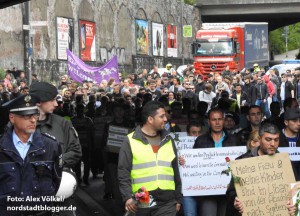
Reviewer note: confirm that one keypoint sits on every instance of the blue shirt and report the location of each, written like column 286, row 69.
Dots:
column 20, row 146
column 219, row 143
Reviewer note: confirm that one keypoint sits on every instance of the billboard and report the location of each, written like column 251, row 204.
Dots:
column 158, row 39
column 87, row 46
column 64, row 36
column 172, row 40
column 141, row 32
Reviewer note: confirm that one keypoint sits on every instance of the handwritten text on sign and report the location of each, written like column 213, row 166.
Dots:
column 201, row 174
column 264, row 184
column 184, row 142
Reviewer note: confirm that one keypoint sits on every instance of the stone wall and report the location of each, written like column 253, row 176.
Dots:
column 115, row 33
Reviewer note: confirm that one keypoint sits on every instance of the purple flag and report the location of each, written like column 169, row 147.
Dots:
column 80, row 71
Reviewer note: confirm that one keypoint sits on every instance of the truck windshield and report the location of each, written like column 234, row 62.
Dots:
column 208, row 48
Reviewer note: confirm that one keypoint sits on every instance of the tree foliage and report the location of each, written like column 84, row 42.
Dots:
column 2, row 73
column 278, row 40
column 190, row 2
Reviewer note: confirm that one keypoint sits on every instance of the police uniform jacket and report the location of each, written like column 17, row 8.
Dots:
column 39, row 174
column 66, row 135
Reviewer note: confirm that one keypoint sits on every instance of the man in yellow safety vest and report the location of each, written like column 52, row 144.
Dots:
column 148, row 159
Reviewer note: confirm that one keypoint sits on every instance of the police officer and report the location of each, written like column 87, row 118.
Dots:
column 30, row 161
column 57, row 126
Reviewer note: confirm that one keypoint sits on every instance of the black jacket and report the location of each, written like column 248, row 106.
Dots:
column 206, row 141
column 243, row 136
column 244, row 97
column 66, row 135
column 250, row 90
column 283, row 142
column 261, row 91
column 125, row 165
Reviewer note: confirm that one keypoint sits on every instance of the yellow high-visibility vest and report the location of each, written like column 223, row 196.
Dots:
column 149, row 169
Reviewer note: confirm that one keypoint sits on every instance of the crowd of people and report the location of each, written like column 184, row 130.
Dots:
column 227, row 109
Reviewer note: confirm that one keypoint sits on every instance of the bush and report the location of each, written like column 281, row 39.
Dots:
column 2, row 73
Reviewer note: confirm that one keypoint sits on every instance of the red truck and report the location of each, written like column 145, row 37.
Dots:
column 238, row 45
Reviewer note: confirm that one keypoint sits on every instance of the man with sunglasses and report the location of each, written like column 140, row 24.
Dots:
column 30, row 161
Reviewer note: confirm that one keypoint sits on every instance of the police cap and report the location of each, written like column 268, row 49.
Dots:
column 44, row 90
column 23, row 105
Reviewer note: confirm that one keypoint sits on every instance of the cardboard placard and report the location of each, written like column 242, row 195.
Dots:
column 201, row 174
column 116, row 136
column 264, row 183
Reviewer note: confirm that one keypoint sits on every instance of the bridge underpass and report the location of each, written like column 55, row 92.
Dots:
column 275, row 12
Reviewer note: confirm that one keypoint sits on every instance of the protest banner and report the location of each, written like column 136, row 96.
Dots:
column 116, row 136
column 264, row 183
column 201, row 174
column 79, row 71
column 294, row 152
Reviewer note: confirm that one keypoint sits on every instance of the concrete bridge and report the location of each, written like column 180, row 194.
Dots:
column 277, row 13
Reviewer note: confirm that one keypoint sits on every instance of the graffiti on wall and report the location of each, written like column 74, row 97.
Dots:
column 48, row 70
column 106, row 54
column 159, row 62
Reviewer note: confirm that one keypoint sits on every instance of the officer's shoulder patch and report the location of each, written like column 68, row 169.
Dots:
column 49, row 136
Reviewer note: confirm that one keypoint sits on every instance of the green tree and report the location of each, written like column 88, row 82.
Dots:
column 2, row 73
column 190, row 2
column 277, row 39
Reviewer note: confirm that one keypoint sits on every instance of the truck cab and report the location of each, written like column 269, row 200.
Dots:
column 213, row 50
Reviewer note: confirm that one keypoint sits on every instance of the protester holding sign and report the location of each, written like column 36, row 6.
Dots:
column 269, row 142
column 112, row 157
column 216, row 137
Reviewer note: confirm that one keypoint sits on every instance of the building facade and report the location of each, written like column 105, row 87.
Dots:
column 142, row 33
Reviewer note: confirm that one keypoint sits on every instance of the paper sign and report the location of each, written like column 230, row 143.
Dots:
column 201, row 174
column 294, row 152
column 264, row 183
column 184, row 142
column 178, row 134
column 116, row 136
column 187, row 31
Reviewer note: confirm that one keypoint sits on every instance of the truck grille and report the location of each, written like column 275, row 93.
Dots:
column 206, row 68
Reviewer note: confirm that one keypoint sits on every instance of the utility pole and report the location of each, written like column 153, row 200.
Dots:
column 27, row 40
column 286, row 33
column 182, row 38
